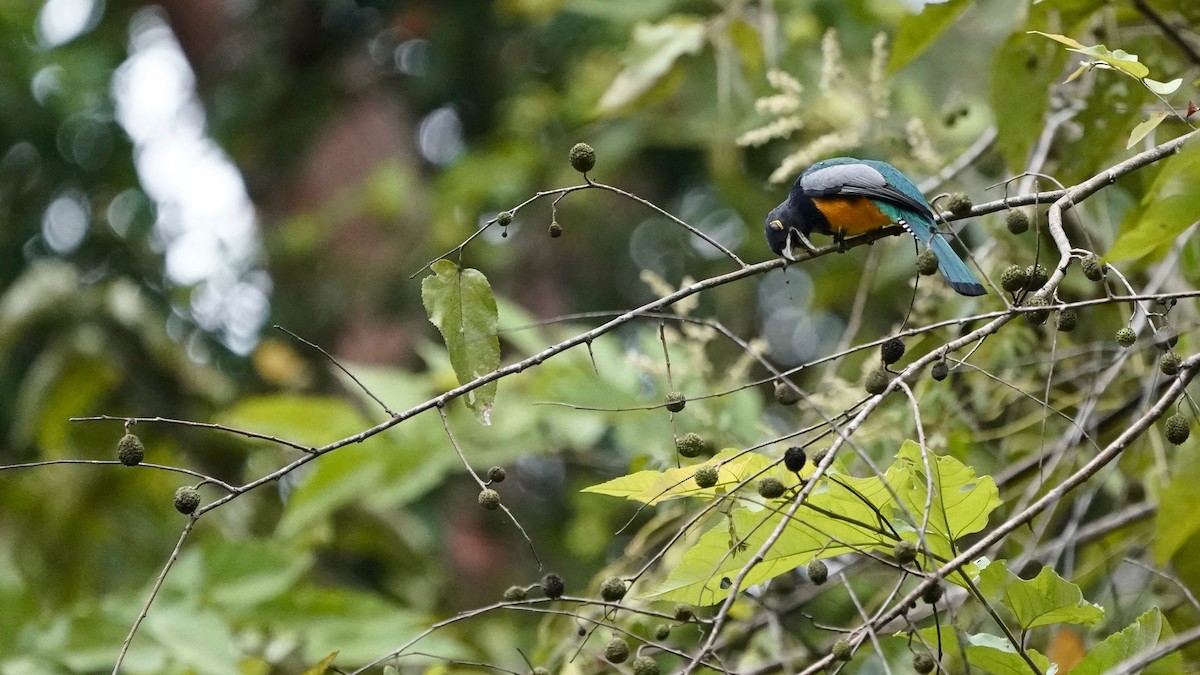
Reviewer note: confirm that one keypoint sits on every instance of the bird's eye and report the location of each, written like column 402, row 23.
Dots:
column 776, row 224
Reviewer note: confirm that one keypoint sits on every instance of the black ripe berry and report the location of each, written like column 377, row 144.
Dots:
column 1037, row 277
column 939, row 371
column 927, row 262
column 932, row 594
column 794, row 459
column 684, row 613
column 1037, row 317
column 891, row 350
column 497, row 474
column 924, row 663
column 515, row 593
column 771, row 488
column 504, row 218
column 130, row 450
column 818, row 572
column 675, row 401
column 905, row 552
column 612, row 590
column 553, row 585
column 876, row 382
column 1068, row 319
column 186, row 500
column 582, row 157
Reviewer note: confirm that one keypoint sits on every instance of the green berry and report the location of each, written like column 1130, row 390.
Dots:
column 842, row 651
column 1093, row 269
column 130, row 450
column 771, row 488
column 932, row 594
column 1038, row 317
column 891, row 350
column 186, row 500
column 1178, row 429
column 489, row 499
column 927, row 262
column 939, row 371
column 794, row 459
column 644, row 665
column 1037, row 277
column 876, row 382
column 582, row 157
column 959, row 204
column 1014, row 278
column 1016, row 221
column 1126, row 337
column 553, row 586
column 515, row 593
column 1168, row 363
column 661, row 632
column 818, row 572
column 504, row 218
column 905, row 552
column 1068, row 319
column 497, row 474
column 684, row 613
column 675, row 401
column 555, row 229
column 689, row 445
column 819, row 456
column 617, row 650
column 706, row 476
column 785, row 394
column 612, row 590
column 924, row 663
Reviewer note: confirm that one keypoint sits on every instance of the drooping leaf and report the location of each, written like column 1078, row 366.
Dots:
column 1142, row 130
column 1162, row 88
column 1143, row 634
column 1045, row 600
column 652, row 53
column 919, row 31
column 460, row 303
column 1119, row 59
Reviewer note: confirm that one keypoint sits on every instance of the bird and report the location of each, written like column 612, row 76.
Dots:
column 845, row 196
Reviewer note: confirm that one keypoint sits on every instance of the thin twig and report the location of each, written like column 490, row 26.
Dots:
column 191, row 522
column 340, row 367
column 200, row 425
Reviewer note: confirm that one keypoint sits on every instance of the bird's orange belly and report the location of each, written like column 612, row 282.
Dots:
column 851, row 216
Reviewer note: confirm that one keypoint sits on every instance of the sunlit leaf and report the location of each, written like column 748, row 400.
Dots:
column 322, row 666
column 917, row 32
column 961, row 501
column 1118, row 59
column 987, row 653
column 1143, row 634
column 1045, row 600
column 651, row 55
column 1162, row 88
column 460, row 303
column 654, row 487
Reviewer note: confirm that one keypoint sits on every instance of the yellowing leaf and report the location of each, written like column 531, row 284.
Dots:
column 460, row 303
column 1142, row 130
column 652, row 54
column 654, row 487
column 961, row 501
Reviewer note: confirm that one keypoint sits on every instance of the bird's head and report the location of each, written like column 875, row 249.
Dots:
column 781, row 233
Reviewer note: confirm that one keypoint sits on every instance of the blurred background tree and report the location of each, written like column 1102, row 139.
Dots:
column 176, row 177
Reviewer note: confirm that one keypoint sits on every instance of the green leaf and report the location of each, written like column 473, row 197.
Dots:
column 1023, row 71
column 961, row 501
column 1162, row 88
column 1142, row 130
column 1177, row 518
column 987, row 653
column 653, row 52
column 1162, row 217
column 322, row 666
column 460, row 303
column 1141, row 635
column 195, row 637
column 1120, row 59
column 1045, row 600
column 308, row 420
column 654, row 487
column 247, row 572
column 918, row 31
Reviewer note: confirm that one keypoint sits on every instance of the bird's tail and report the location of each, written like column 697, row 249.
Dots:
column 956, row 272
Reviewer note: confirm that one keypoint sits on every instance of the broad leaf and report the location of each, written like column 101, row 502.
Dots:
column 1170, row 206
column 1023, row 70
column 1119, row 59
column 652, row 54
column 654, row 487
column 961, row 501
column 919, row 31
column 1044, row 600
column 1177, row 519
column 1162, row 88
column 460, row 303
column 986, row 653
column 1143, row 634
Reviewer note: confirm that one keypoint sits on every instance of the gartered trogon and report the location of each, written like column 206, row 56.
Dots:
column 844, row 197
